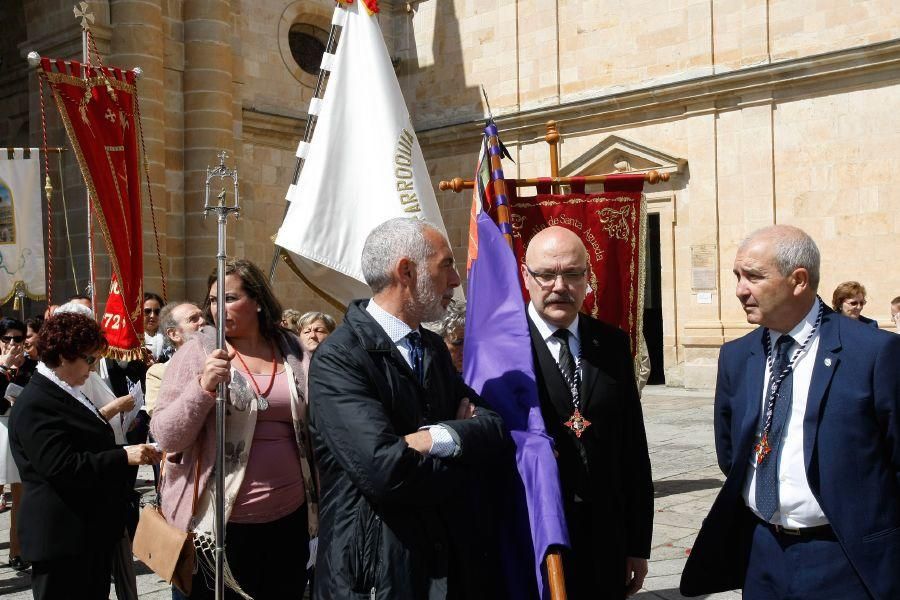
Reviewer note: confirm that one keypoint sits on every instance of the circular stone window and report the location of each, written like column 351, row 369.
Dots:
column 302, row 36
column 307, row 43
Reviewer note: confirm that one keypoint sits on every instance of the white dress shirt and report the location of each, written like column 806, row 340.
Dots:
column 798, row 506
column 442, row 443
column 553, row 343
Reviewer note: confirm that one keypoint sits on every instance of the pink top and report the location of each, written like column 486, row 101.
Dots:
column 273, row 480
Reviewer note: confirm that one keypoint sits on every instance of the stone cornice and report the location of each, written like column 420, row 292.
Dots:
column 66, row 43
column 802, row 77
column 268, row 128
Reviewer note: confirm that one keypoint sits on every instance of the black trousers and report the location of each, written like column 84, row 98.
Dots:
column 83, row 577
column 595, row 567
column 267, row 559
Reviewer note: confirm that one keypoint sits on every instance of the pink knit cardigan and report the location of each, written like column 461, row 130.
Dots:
column 184, row 424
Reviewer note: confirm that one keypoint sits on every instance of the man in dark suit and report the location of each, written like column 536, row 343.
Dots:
column 590, row 405
column 807, row 429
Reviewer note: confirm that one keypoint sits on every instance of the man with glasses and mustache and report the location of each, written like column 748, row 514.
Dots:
column 400, row 441
column 590, row 405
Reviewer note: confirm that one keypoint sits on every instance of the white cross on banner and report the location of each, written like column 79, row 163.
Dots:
column 364, row 165
column 21, row 230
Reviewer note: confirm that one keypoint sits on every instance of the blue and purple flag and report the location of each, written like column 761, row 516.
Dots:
column 498, row 365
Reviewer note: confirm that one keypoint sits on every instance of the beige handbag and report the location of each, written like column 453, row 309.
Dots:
column 167, row 550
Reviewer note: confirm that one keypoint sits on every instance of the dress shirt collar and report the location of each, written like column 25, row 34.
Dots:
column 394, row 327
column 801, row 330
column 546, row 329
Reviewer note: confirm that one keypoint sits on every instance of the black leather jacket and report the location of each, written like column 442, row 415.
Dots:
column 394, row 523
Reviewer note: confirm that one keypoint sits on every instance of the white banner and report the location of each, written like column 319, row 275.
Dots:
column 364, row 165
column 21, row 229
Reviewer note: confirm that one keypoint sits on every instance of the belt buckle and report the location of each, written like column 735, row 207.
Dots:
column 787, row 530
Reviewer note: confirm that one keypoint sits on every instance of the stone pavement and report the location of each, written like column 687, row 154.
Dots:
column 679, row 431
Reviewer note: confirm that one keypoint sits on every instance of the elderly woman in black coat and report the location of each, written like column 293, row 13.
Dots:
column 76, row 480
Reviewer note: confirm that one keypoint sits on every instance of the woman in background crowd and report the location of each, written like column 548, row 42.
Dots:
column 314, row 327
column 290, row 319
column 154, row 339
column 16, row 367
column 270, row 497
column 849, row 298
column 452, row 329
column 76, row 480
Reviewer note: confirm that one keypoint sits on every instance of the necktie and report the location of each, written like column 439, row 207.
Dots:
column 767, row 472
column 566, row 361
column 417, row 355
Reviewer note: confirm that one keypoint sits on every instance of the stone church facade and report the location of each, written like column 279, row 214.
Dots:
column 761, row 111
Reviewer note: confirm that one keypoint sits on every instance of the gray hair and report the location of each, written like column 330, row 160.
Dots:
column 308, row 318
column 454, row 320
column 167, row 320
column 403, row 237
column 794, row 249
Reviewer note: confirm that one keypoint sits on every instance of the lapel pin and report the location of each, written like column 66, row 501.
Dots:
column 827, row 362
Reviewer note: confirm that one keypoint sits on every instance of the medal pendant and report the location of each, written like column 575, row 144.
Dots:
column 762, row 449
column 577, row 423
column 261, row 403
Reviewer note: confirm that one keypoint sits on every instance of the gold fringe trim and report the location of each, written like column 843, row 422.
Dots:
column 124, row 354
column 16, row 286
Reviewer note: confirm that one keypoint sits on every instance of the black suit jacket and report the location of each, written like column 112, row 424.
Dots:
column 609, row 466
column 75, row 479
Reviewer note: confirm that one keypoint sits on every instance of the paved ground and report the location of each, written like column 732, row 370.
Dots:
column 679, row 428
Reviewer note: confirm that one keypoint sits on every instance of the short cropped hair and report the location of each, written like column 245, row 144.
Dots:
column 794, row 249
column 68, row 335
column 896, row 300
column 402, row 237
column 844, row 291
column 312, row 316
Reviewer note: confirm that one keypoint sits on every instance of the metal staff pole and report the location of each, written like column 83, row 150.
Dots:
column 222, row 210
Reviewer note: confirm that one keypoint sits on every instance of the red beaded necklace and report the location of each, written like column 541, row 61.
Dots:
column 253, row 379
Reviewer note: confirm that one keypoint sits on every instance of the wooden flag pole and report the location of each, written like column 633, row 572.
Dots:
column 458, row 184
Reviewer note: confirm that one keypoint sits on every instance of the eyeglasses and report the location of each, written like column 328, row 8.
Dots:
column 548, row 278
column 90, row 359
column 13, row 338
column 855, row 302
column 151, row 311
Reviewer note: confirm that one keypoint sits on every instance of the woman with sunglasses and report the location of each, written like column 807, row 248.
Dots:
column 270, row 498
column 16, row 369
column 76, row 480
column 154, row 339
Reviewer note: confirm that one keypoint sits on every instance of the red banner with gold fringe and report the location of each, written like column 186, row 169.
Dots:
column 612, row 226
column 97, row 106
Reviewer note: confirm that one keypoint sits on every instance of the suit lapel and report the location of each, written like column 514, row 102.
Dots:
column 824, row 368
column 590, row 348
column 755, row 378
column 556, row 387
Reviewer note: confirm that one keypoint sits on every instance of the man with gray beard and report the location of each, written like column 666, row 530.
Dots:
column 399, row 439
